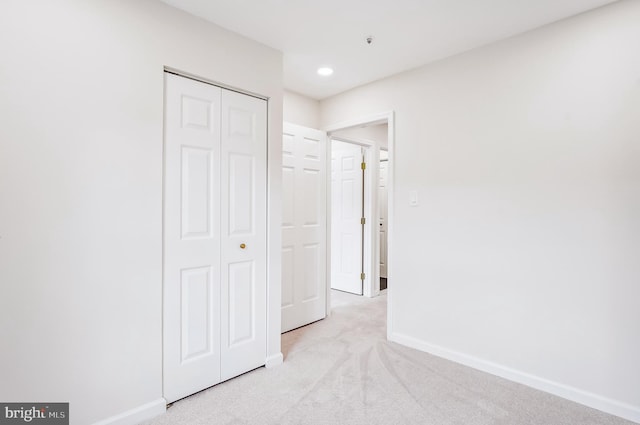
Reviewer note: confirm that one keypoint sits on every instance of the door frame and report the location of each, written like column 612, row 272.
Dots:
column 387, row 190
column 372, row 244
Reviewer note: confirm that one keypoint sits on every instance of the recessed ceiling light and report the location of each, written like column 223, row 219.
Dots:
column 325, row 72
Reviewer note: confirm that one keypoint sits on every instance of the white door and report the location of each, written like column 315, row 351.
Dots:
column 244, row 235
column 214, row 301
column 191, row 237
column 304, row 226
column 346, row 213
column 383, row 204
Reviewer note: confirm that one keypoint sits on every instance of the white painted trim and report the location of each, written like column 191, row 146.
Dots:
column 391, row 143
column 136, row 415
column 577, row 395
column 191, row 76
column 371, row 284
column 328, row 218
column 373, row 119
column 274, row 360
column 274, row 238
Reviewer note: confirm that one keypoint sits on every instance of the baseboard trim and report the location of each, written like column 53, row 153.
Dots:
column 138, row 414
column 274, row 360
column 607, row 405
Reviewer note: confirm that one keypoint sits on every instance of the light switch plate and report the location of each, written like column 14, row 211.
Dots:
column 413, row 198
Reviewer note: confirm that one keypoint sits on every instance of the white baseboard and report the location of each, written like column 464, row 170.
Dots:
column 586, row 398
column 274, row 360
column 137, row 414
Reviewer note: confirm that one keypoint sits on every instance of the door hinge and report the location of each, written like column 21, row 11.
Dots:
column 363, row 220
column 361, row 276
column 363, row 165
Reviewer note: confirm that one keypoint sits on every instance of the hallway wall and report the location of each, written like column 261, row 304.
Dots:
column 301, row 110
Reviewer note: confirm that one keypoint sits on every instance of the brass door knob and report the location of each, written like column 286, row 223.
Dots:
column 242, row 246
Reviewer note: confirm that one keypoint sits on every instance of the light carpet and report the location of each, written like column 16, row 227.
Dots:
column 342, row 370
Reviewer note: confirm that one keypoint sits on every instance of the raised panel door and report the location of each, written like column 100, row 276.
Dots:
column 191, row 283
column 243, row 238
column 304, row 226
column 346, row 213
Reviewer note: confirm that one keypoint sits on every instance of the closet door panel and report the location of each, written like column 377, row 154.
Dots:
column 244, row 237
column 191, row 273
column 241, row 195
column 241, row 302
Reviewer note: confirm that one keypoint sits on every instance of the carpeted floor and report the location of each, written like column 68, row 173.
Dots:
column 342, row 370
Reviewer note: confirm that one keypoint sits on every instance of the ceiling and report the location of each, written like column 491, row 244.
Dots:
column 406, row 33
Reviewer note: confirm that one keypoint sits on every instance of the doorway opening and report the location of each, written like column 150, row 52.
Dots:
column 374, row 135
column 308, row 197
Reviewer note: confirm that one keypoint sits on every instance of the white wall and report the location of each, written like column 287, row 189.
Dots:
column 526, row 158
column 301, row 110
column 81, row 101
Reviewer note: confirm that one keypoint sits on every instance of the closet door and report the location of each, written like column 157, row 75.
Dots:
column 215, row 241
column 244, row 236
column 191, row 275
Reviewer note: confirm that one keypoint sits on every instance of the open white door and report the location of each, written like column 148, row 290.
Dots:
column 304, row 226
column 346, row 214
column 383, row 206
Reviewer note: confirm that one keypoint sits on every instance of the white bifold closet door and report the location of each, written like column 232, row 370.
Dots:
column 214, row 278
column 304, row 226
